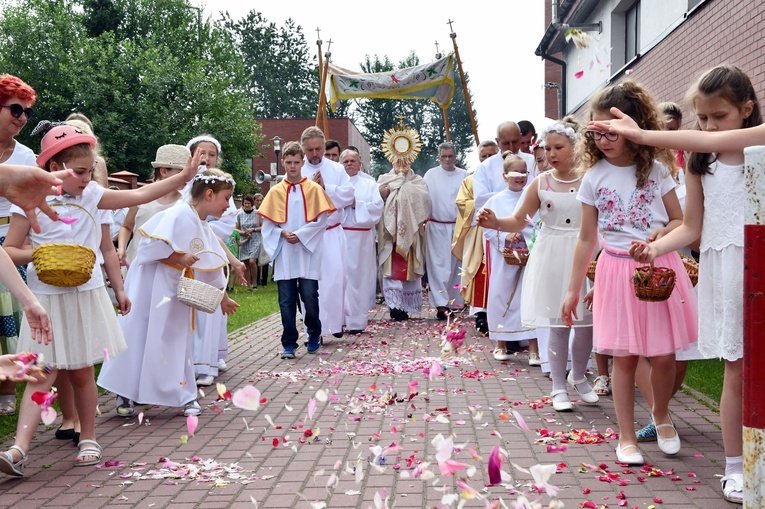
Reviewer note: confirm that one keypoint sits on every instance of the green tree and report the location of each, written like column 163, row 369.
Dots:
column 375, row 116
column 156, row 76
column 282, row 73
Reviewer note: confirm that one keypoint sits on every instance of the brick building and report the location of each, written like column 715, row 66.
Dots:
column 290, row 129
column 663, row 44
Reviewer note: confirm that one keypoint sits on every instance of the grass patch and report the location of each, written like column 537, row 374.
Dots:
column 253, row 305
column 706, row 377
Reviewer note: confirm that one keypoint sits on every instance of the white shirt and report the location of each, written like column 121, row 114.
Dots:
column 443, row 187
column 369, row 203
column 24, row 156
column 488, row 178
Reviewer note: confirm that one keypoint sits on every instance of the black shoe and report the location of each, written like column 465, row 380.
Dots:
column 355, row 332
column 65, row 434
column 441, row 313
column 398, row 314
column 481, row 324
column 337, row 334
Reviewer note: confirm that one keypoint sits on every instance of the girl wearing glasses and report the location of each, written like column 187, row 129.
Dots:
column 16, row 100
column 628, row 194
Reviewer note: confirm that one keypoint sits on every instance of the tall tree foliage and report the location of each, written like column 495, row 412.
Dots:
column 375, row 116
column 146, row 72
column 282, row 72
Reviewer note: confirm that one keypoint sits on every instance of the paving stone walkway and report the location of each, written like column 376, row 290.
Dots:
column 357, row 394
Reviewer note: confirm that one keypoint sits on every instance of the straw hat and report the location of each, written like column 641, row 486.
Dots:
column 171, row 156
column 60, row 138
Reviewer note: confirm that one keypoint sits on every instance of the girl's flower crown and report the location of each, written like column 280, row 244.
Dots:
column 210, row 179
column 559, row 128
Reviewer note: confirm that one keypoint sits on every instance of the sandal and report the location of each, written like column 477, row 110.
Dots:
column 7, row 465
column 602, row 386
column 733, row 483
column 7, row 404
column 91, row 449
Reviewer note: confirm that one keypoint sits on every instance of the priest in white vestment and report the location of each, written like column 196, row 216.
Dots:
column 359, row 224
column 442, row 266
column 332, row 177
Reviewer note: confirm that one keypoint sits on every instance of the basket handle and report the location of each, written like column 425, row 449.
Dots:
column 65, row 204
column 225, row 261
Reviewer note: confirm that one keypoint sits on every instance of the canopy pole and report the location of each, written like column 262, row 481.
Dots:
column 464, row 85
column 446, row 124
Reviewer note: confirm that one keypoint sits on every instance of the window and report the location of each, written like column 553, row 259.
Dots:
column 632, row 32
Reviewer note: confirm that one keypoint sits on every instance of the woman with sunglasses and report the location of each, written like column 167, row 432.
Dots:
column 16, row 100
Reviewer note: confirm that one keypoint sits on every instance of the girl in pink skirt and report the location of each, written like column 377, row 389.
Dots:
column 626, row 195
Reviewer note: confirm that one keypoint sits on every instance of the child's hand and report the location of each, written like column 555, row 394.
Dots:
column 623, row 125
column 642, row 252
column 569, row 308
column 487, row 219
column 238, row 269
column 588, row 299
column 192, row 165
column 123, row 302
column 228, row 305
column 121, row 256
column 13, row 368
column 39, row 322
column 185, row 260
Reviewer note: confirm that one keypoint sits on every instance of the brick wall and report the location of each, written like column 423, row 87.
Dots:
column 553, row 74
column 720, row 31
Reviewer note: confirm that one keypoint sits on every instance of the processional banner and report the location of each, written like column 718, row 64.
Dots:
column 434, row 81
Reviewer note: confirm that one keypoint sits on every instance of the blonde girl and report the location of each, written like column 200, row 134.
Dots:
column 553, row 195
column 84, row 323
column 628, row 195
column 729, row 119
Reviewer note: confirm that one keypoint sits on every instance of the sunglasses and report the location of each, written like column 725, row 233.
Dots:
column 597, row 135
column 17, row 110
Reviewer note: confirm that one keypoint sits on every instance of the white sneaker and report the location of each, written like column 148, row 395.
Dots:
column 222, row 366
column 205, row 380
column 192, row 408
column 501, row 354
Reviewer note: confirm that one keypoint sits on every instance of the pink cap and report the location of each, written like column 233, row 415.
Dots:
column 60, row 138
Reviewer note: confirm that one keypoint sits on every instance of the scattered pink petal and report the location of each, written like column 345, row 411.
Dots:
column 191, row 424
column 69, row 220
column 247, row 398
column 48, row 416
column 578, row 75
column 435, row 370
column 628, row 72
column 520, row 420
column 495, row 466
column 311, row 408
column 140, row 418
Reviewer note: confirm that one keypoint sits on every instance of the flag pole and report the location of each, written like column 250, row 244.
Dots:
column 444, row 111
column 321, row 108
column 464, row 84
column 324, row 114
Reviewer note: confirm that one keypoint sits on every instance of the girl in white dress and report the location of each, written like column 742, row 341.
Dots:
column 85, row 326
column 158, row 367
column 505, row 280
column 724, row 101
column 553, row 195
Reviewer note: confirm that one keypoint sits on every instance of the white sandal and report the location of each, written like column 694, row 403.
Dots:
column 733, row 483
column 91, row 449
column 8, row 466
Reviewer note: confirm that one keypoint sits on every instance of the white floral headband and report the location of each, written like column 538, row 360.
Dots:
column 199, row 139
column 558, row 128
column 211, row 179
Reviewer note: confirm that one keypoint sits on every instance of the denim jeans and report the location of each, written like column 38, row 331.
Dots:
column 308, row 291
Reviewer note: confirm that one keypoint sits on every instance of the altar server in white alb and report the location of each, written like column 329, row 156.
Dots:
column 442, row 266
column 361, row 260
column 332, row 177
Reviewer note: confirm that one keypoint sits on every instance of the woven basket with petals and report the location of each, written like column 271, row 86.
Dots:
column 653, row 284
column 197, row 294
column 691, row 267
column 64, row 265
column 517, row 256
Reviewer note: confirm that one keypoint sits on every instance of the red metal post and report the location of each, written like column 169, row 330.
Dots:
column 754, row 329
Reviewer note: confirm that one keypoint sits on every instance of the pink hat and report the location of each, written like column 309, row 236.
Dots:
column 60, row 138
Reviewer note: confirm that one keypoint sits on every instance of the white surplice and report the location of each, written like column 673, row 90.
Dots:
column 441, row 265
column 503, row 310
column 158, row 366
column 361, row 259
column 338, row 186
column 488, row 178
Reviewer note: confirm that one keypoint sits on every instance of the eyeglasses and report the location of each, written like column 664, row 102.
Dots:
column 597, row 135
column 17, row 110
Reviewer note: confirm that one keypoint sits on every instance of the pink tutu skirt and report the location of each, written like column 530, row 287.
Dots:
column 624, row 325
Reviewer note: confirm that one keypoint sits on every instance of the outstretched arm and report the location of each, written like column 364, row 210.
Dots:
column 694, row 141
column 517, row 222
column 27, row 187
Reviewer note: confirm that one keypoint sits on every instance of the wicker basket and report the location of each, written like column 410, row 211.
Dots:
column 691, row 267
column 515, row 256
column 199, row 295
column 64, row 265
column 653, row 284
column 591, row 270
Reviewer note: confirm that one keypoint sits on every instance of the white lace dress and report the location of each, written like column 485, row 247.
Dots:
column 721, row 265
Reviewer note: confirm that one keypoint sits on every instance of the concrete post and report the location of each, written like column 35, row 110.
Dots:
column 754, row 329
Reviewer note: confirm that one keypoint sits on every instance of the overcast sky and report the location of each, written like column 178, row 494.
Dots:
column 496, row 43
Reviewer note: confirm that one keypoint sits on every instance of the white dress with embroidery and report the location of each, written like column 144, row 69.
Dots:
column 721, row 265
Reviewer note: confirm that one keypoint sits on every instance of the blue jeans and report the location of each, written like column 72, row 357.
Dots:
column 308, row 291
